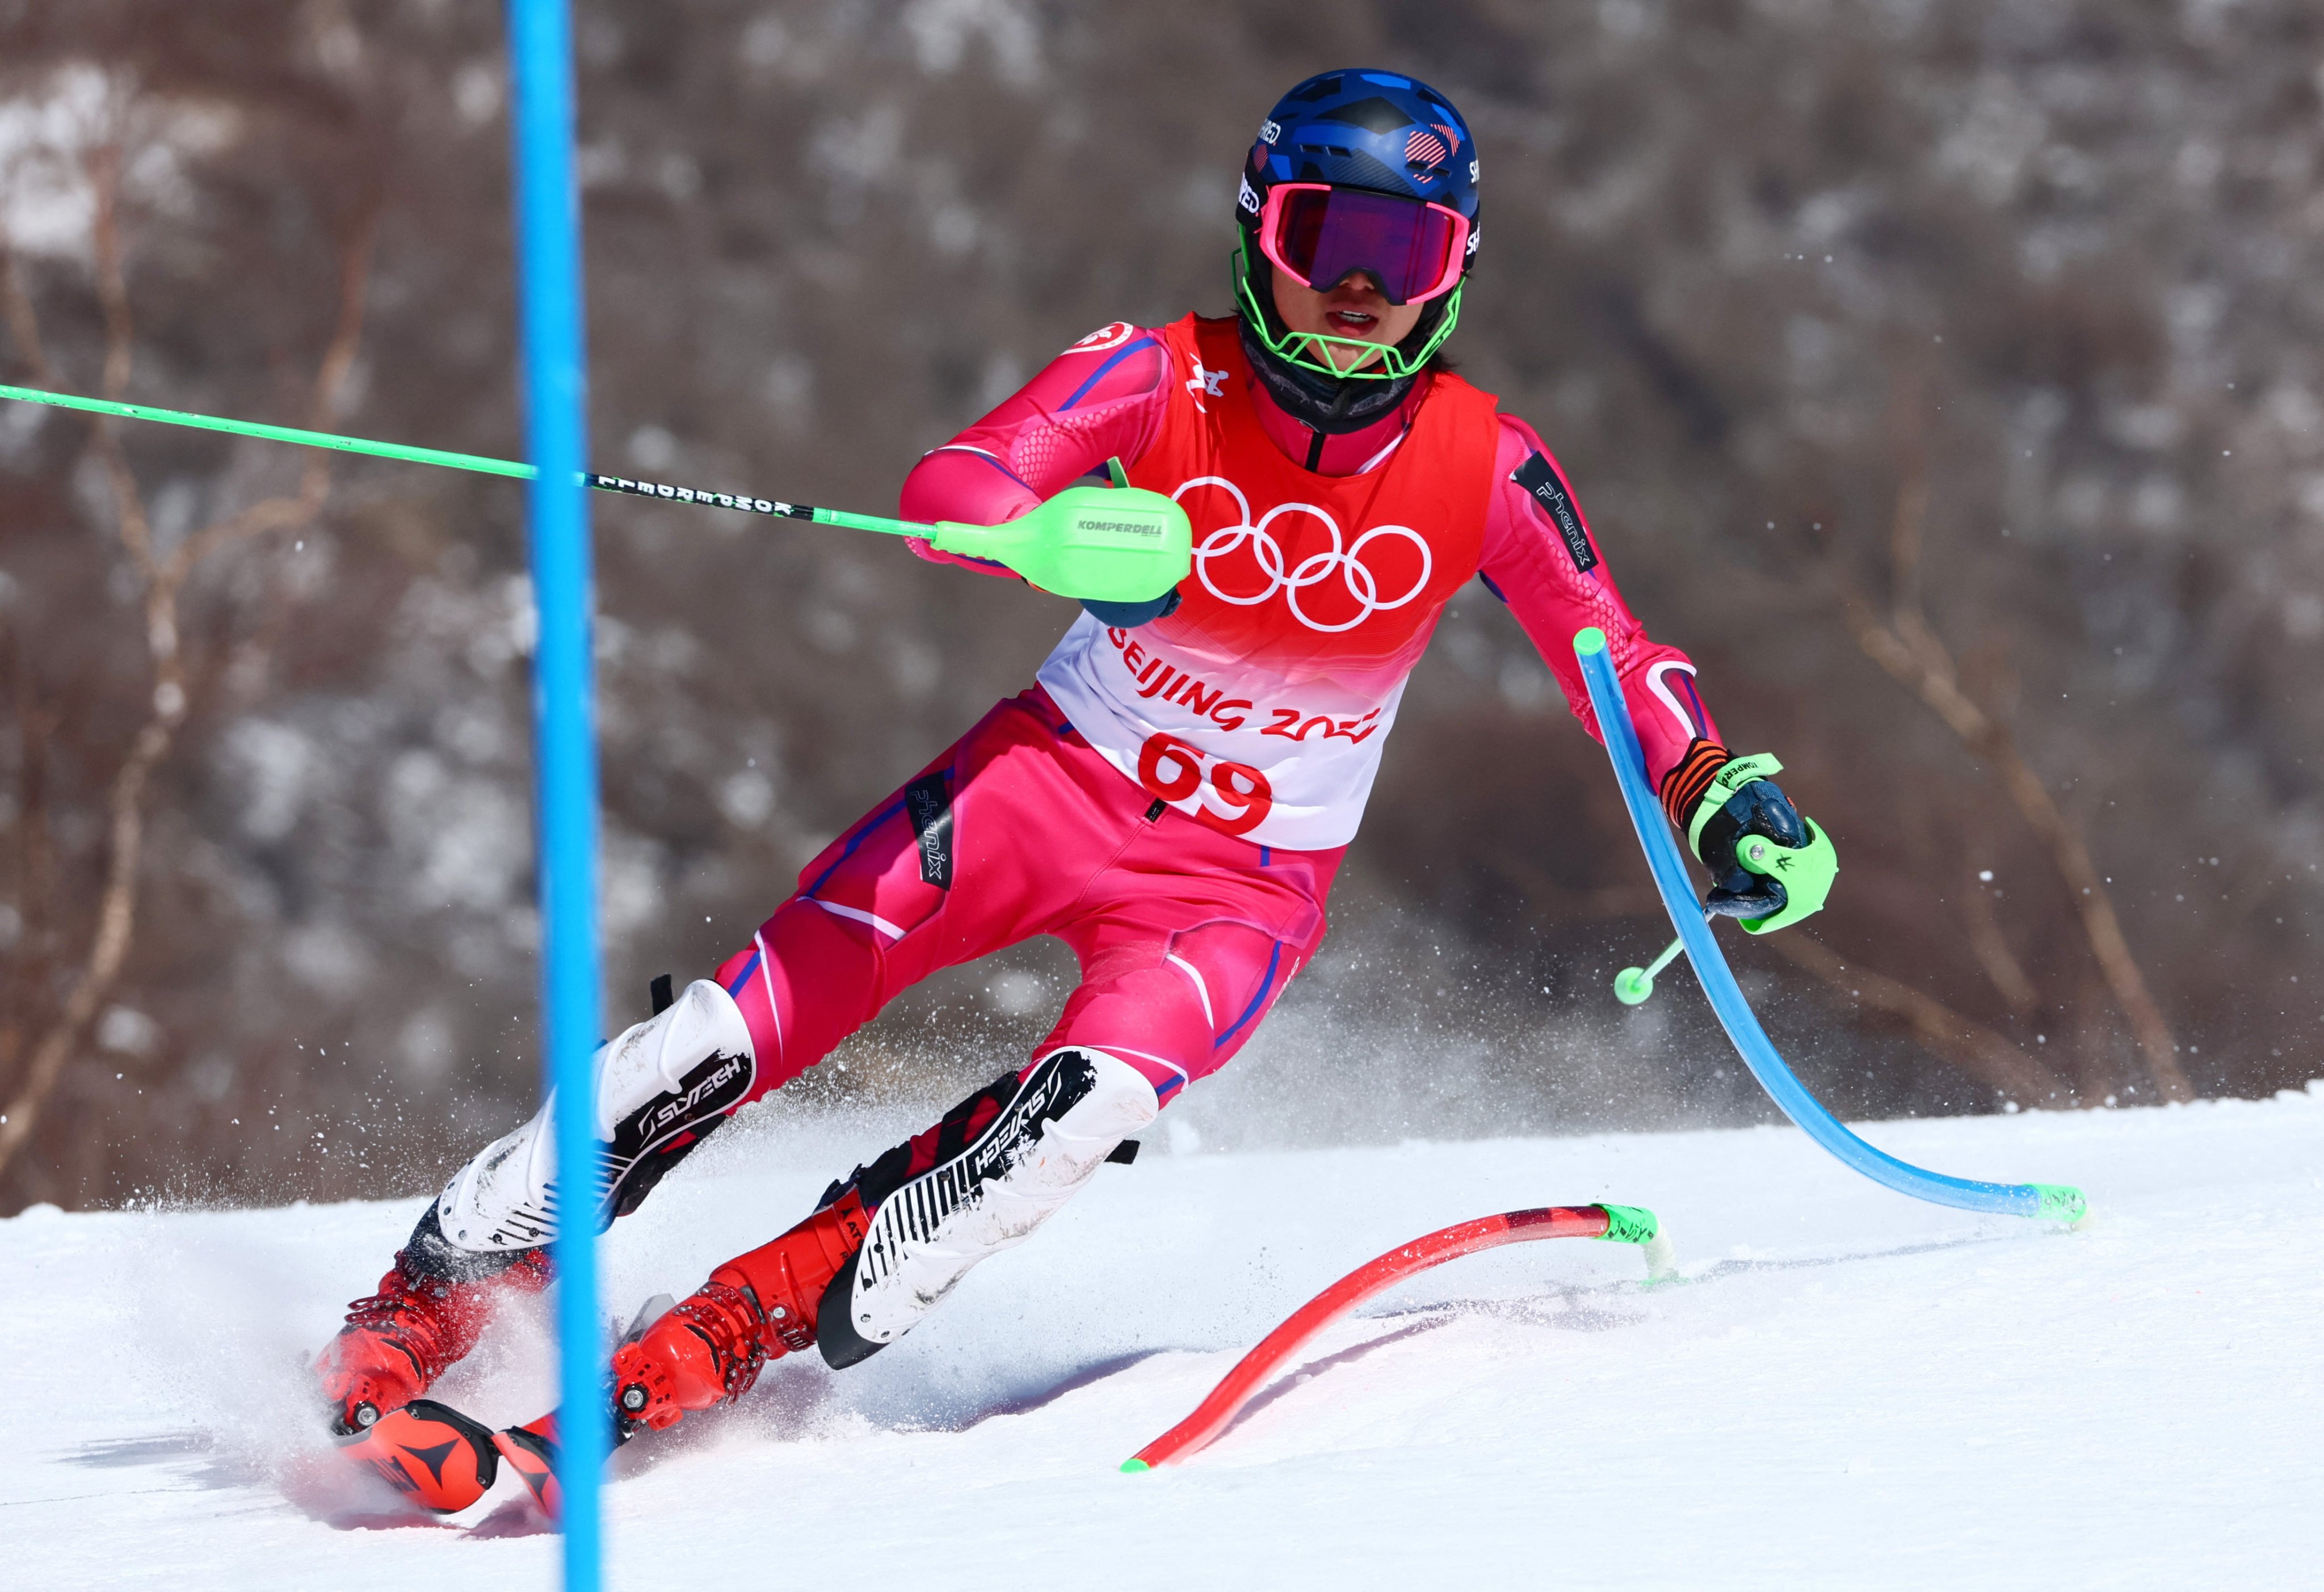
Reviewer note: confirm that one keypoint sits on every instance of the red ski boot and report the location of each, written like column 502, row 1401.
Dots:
column 400, row 1340
column 755, row 1308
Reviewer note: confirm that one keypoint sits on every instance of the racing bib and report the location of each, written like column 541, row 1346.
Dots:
column 1260, row 706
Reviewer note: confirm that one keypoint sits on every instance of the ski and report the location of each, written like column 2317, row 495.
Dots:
column 429, row 1453
column 444, row 1461
column 531, row 1451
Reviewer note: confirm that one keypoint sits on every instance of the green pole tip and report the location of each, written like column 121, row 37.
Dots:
column 1628, row 1224
column 1632, row 985
column 1589, row 640
column 1133, row 1466
column 2060, row 1202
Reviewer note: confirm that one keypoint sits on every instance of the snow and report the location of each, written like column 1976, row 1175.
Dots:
column 1848, row 1389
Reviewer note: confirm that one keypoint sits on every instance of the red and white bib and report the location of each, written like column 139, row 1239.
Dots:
column 1260, row 705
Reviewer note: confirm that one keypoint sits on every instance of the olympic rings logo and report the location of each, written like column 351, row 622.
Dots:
column 1347, row 562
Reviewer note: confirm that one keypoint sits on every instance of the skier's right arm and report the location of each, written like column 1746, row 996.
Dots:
column 1103, row 398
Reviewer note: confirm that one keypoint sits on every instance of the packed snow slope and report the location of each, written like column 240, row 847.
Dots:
column 1847, row 1388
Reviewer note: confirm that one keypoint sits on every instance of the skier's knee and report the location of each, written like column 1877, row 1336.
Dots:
column 807, row 980
column 1179, row 1010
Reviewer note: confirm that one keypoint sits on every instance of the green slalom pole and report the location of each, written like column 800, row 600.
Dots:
column 1109, row 544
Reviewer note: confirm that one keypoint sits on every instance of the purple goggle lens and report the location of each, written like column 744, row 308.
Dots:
column 1319, row 234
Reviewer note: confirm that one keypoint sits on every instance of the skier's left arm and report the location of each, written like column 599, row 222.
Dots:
column 1541, row 558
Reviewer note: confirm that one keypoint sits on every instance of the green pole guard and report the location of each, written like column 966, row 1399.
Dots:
column 1806, row 872
column 1113, row 544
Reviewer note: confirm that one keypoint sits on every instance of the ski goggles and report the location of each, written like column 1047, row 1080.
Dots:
column 1317, row 234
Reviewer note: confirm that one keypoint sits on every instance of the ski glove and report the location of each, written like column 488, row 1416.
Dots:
column 1126, row 616
column 1723, row 800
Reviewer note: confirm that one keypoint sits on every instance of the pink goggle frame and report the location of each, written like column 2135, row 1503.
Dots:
column 1316, row 233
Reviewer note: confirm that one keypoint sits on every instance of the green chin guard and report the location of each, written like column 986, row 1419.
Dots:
column 1306, row 349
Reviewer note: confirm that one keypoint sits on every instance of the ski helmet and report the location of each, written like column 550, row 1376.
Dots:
column 1357, row 170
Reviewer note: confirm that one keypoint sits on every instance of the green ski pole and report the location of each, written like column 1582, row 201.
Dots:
column 1118, row 543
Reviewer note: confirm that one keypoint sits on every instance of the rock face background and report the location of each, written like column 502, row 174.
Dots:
column 1944, row 375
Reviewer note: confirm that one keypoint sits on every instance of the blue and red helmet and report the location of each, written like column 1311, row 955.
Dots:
column 1359, row 170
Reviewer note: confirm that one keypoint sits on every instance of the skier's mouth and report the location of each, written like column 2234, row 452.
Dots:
column 1354, row 322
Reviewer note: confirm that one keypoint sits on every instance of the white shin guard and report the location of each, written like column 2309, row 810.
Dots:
column 1065, row 1119
column 661, row 1086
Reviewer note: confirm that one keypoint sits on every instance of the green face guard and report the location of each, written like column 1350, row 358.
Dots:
column 1305, row 349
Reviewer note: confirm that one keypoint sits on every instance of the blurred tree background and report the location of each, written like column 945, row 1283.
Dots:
column 1945, row 375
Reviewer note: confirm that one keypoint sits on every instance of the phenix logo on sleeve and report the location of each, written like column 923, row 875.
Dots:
column 1258, row 707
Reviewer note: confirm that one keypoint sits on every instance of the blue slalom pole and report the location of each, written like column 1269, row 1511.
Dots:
column 2052, row 1200
column 556, row 383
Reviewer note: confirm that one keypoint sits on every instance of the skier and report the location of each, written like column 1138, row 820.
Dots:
column 1172, row 798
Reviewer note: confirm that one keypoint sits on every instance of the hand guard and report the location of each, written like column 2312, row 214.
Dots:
column 1768, row 886
column 1128, row 616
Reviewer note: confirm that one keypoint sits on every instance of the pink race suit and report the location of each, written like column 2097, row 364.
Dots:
column 1173, row 801
column 1184, row 936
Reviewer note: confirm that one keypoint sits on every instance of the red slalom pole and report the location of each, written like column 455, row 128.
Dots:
column 1621, row 1224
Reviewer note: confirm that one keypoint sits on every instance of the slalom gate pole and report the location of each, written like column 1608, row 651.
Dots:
column 2053, row 1202
column 1619, row 1224
column 565, row 757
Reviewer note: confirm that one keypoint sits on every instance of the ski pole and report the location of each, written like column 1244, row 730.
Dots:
column 1114, row 545
column 1633, row 985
